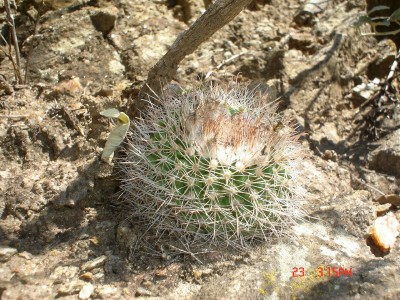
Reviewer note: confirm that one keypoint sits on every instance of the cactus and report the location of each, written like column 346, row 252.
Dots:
column 215, row 164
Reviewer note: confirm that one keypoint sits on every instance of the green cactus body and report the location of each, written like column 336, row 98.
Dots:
column 213, row 165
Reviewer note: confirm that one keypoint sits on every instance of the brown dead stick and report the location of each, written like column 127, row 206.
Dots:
column 11, row 24
column 217, row 15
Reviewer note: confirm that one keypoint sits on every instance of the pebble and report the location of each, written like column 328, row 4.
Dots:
column 389, row 199
column 104, row 20
column 306, row 15
column 86, row 291
column 99, row 276
column 126, row 235
column 142, row 292
column 161, row 272
column 97, row 262
column 147, row 283
column 25, row 255
column 70, row 288
column 382, row 209
column 71, row 87
column 386, row 157
column 197, row 274
column 106, row 291
column 87, row 276
column 364, row 91
column 62, row 273
column 330, row 155
column 6, row 253
column 94, row 240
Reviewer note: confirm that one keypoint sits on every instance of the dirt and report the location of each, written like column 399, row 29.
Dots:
column 63, row 233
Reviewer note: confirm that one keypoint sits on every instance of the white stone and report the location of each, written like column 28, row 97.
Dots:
column 86, row 291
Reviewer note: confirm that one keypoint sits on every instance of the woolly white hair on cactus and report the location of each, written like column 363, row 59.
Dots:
column 216, row 164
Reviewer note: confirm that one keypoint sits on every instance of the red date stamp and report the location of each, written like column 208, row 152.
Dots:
column 302, row 281
column 324, row 271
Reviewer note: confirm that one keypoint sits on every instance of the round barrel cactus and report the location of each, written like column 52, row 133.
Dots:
column 216, row 165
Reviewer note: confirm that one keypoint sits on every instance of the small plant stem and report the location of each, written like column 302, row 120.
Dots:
column 35, row 31
column 224, row 63
column 8, row 54
column 10, row 20
column 216, row 16
column 376, row 33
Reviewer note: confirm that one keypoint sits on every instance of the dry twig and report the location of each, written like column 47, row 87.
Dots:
column 11, row 24
column 226, row 61
column 216, row 16
column 382, row 104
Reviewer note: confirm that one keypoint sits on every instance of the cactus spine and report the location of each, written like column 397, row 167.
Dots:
column 214, row 164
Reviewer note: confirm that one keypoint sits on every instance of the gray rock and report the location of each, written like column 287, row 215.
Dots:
column 69, row 288
column 83, row 52
column 6, row 253
column 328, row 131
column 141, row 291
column 306, row 15
column 302, row 41
column 106, row 291
column 27, row 292
column 95, row 263
column 386, row 158
column 115, row 265
column 86, row 291
column 63, row 273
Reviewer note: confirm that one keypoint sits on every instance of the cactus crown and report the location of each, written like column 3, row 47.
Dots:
column 216, row 165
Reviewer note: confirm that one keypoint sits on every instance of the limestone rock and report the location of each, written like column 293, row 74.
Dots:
column 386, row 158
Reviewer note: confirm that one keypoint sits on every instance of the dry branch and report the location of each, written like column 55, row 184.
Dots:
column 10, row 21
column 216, row 16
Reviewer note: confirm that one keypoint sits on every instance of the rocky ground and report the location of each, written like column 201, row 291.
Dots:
column 62, row 232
